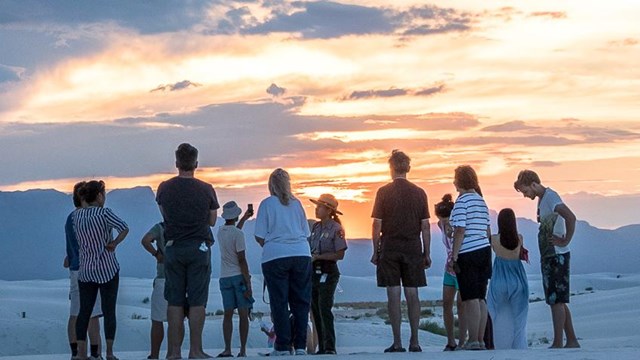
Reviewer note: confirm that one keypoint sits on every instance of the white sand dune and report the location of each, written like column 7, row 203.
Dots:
column 606, row 317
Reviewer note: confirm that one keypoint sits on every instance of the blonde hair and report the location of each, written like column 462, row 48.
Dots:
column 280, row 186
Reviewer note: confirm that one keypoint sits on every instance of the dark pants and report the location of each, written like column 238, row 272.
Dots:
column 322, row 296
column 289, row 284
column 108, row 295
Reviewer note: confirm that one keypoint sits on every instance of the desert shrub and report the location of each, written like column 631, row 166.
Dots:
column 432, row 327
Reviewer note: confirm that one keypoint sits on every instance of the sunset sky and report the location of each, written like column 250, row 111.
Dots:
column 326, row 89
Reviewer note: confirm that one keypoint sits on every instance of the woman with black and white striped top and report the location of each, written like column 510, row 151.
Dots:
column 99, row 267
column 471, row 254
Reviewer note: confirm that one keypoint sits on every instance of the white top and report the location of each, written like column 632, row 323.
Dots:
column 231, row 242
column 284, row 229
column 471, row 213
column 547, row 205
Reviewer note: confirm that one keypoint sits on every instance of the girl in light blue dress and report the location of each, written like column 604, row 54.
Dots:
column 508, row 297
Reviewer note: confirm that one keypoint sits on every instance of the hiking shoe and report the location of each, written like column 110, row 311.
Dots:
column 300, row 352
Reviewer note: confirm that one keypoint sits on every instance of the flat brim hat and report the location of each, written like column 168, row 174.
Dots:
column 327, row 200
column 231, row 211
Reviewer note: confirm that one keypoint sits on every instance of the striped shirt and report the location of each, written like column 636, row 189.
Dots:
column 93, row 226
column 471, row 213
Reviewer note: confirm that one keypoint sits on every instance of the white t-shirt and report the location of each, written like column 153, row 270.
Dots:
column 284, row 229
column 231, row 241
column 471, row 213
column 547, row 205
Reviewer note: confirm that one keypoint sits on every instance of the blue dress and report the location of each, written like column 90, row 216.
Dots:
column 508, row 303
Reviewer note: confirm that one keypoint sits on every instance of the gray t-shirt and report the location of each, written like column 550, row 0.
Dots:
column 157, row 232
column 231, row 242
column 547, row 205
column 186, row 203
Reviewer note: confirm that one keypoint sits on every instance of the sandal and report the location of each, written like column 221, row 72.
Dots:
column 415, row 348
column 392, row 348
column 450, row 348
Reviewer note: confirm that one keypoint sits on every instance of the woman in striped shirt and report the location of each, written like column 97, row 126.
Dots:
column 471, row 253
column 98, row 265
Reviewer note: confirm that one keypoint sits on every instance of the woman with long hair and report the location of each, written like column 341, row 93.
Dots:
column 449, row 282
column 471, row 254
column 327, row 247
column 99, row 268
column 508, row 298
column 282, row 231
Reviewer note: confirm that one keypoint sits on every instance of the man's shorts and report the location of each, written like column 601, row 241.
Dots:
column 158, row 303
column 450, row 280
column 555, row 278
column 187, row 270
column 397, row 268
column 74, row 297
column 232, row 289
column 474, row 275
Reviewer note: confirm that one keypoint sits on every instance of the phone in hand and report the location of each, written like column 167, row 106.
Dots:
column 250, row 207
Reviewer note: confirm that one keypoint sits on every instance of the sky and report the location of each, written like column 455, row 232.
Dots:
column 326, row 89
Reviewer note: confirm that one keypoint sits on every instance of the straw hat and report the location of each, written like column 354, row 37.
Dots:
column 231, row 210
column 329, row 201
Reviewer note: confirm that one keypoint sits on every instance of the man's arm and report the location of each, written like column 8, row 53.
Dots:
column 213, row 217
column 247, row 214
column 146, row 242
column 570, row 223
column 376, row 229
column 426, row 242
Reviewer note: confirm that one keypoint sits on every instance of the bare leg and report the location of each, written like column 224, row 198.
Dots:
column 175, row 331
column 227, row 330
column 82, row 349
column 157, row 335
column 196, row 325
column 472, row 316
column 572, row 339
column 483, row 320
column 395, row 315
column 94, row 333
column 448, row 294
column 109, row 347
column 244, row 330
column 559, row 317
column 462, row 323
column 413, row 307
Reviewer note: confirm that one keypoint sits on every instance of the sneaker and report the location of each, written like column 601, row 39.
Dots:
column 300, row 352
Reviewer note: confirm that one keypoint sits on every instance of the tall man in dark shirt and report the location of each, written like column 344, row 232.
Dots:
column 400, row 215
column 189, row 207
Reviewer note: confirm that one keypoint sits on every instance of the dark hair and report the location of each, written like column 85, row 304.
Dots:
column 526, row 178
column 77, row 199
column 399, row 162
column 466, row 178
column 186, row 157
column 90, row 191
column 508, row 229
column 444, row 207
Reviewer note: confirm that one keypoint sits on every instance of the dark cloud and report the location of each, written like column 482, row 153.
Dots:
column 430, row 91
column 180, row 85
column 393, row 92
column 328, row 19
column 550, row 14
column 356, row 95
column 511, row 126
column 275, row 90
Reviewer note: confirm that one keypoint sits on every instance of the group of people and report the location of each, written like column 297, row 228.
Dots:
column 299, row 262
column 494, row 310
